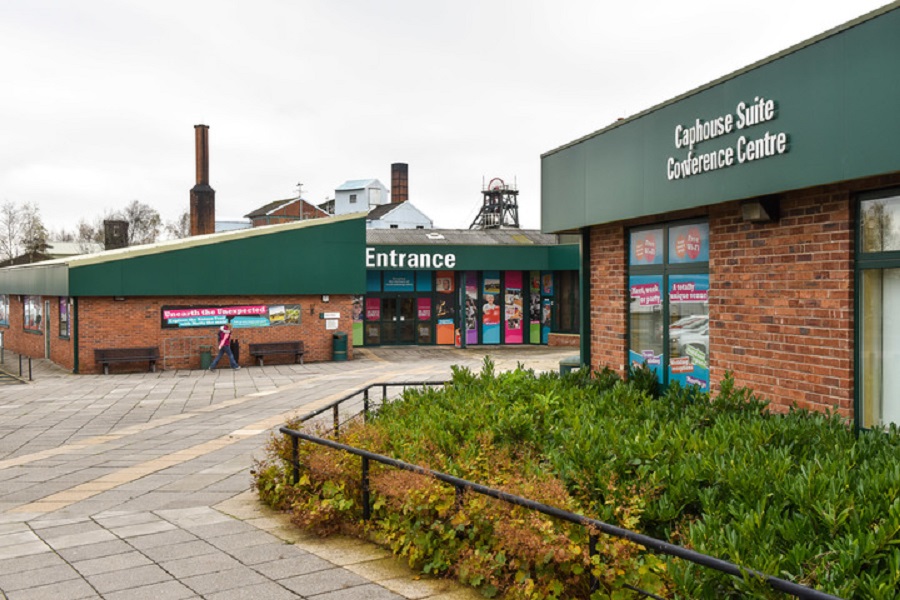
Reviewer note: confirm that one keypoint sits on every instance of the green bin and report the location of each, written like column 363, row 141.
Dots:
column 205, row 357
column 339, row 346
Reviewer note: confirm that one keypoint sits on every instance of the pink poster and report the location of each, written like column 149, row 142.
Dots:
column 514, row 314
column 373, row 309
column 424, row 309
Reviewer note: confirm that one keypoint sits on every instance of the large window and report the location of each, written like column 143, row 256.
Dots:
column 878, row 381
column 668, row 311
column 33, row 313
column 65, row 326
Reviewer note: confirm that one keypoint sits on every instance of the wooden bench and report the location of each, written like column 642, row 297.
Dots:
column 105, row 356
column 262, row 350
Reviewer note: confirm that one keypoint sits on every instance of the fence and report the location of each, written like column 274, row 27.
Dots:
column 463, row 486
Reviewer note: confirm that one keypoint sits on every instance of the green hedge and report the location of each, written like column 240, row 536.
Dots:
column 794, row 495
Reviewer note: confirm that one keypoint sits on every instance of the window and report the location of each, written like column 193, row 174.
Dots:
column 4, row 309
column 668, row 324
column 64, row 326
column 395, row 226
column 878, row 276
column 352, row 198
column 33, row 314
column 568, row 302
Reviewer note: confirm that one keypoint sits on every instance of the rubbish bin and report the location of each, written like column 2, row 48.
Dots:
column 339, row 346
column 236, row 350
column 205, row 357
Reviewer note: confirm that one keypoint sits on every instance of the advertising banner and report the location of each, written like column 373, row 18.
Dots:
column 514, row 316
column 490, row 310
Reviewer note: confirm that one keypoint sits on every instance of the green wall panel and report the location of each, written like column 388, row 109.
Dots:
column 320, row 259
column 836, row 99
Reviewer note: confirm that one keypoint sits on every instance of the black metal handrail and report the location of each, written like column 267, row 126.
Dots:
column 334, row 406
column 462, row 486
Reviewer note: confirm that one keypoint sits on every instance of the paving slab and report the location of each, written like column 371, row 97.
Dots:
column 139, row 486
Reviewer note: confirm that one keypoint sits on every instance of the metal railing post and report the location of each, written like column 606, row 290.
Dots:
column 366, row 506
column 20, row 365
column 336, row 419
column 366, row 405
column 29, row 369
column 592, row 552
column 295, row 459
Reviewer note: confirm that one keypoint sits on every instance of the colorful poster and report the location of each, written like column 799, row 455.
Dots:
column 445, row 309
column 689, row 243
column 534, row 307
column 645, row 330
column 241, row 317
column 547, row 284
column 689, row 330
column 4, row 309
column 358, row 319
column 423, row 309
column 490, row 309
column 471, row 307
column 546, row 319
column 646, row 247
column 373, row 309
column 514, row 316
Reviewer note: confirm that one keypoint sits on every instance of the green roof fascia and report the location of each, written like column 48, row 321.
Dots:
column 565, row 257
column 476, row 258
column 834, row 99
column 321, row 256
column 36, row 279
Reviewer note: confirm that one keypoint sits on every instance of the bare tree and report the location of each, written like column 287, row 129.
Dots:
column 144, row 223
column 10, row 230
column 88, row 235
column 180, row 228
column 34, row 235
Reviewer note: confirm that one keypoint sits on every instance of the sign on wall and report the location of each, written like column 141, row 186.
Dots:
column 241, row 317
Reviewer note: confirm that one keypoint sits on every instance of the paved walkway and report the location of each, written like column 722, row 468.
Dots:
column 138, row 486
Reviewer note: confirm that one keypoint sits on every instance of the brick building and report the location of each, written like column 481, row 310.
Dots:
column 751, row 225
column 292, row 282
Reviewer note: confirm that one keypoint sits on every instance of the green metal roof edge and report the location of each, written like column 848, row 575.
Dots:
column 198, row 241
column 760, row 63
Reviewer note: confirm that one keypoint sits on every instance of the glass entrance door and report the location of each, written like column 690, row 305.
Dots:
column 398, row 320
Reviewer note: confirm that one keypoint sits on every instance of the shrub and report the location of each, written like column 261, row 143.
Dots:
column 797, row 495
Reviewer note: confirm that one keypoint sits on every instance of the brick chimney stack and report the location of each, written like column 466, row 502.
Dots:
column 203, row 197
column 399, row 183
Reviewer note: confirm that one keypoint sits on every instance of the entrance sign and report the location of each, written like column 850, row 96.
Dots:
column 402, row 260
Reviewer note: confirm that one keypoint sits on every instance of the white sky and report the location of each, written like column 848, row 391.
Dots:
column 98, row 98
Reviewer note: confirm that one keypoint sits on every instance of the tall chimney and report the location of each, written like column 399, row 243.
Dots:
column 203, row 197
column 399, row 183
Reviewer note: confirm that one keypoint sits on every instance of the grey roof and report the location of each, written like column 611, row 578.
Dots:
column 356, row 184
column 461, row 237
column 381, row 211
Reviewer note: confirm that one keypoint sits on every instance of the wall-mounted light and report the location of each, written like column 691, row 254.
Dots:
column 760, row 210
column 119, row 298
column 325, row 298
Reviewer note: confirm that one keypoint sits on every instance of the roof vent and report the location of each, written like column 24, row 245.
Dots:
column 435, row 236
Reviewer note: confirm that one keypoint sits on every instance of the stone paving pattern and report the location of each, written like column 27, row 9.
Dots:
column 138, row 485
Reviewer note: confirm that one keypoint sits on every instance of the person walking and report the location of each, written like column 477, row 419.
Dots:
column 225, row 347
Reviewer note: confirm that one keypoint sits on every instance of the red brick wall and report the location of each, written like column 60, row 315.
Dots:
column 31, row 343
column 781, row 296
column 781, row 301
column 107, row 323
column 608, row 297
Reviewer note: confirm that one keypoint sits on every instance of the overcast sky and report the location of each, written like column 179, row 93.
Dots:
column 99, row 97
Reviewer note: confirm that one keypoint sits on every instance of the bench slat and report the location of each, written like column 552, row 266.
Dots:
column 261, row 349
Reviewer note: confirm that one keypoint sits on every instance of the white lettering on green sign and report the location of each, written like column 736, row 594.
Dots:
column 746, row 149
column 401, row 260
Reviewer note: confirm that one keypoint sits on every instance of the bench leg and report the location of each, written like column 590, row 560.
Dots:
column 259, row 359
column 106, row 368
column 153, row 366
